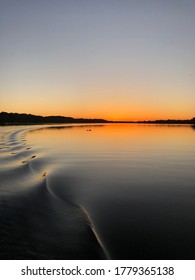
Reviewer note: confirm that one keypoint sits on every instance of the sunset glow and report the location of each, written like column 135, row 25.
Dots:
column 117, row 60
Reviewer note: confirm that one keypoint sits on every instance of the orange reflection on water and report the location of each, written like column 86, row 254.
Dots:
column 107, row 137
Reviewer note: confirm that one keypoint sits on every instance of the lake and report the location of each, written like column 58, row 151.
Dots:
column 99, row 191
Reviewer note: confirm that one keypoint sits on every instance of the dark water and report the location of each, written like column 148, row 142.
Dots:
column 100, row 191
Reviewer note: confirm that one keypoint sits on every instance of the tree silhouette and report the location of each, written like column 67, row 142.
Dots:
column 16, row 119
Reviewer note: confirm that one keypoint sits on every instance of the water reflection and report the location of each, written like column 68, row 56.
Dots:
column 61, row 127
column 136, row 182
column 193, row 127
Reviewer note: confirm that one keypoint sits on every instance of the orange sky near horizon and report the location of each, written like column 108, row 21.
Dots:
column 117, row 106
column 112, row 113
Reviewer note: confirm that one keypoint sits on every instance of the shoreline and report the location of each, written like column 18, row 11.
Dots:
column 29, row 119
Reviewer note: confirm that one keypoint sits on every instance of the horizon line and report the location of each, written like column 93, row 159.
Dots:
column 192, row 120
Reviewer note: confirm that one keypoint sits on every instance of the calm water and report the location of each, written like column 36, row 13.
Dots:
column 135, row 182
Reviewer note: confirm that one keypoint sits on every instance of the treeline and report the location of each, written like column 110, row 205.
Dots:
column 170, row 121
column 15, row 118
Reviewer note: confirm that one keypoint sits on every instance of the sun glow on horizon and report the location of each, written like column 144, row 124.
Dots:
column 123, row 62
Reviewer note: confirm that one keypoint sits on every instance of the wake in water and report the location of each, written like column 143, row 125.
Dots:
column 35, row 222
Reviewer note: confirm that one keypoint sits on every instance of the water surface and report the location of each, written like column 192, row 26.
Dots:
column 133, row 185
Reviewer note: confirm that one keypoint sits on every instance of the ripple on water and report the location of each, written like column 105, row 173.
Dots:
column 36, row 223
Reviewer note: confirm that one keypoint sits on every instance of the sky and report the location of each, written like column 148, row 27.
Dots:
column 111, row 59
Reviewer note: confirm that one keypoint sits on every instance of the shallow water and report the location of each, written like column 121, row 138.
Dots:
column 118, row 191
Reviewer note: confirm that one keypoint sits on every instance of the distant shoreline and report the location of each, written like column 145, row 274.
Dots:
column 29, row 119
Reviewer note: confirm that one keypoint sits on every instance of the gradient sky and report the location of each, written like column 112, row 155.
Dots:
column 114, row 59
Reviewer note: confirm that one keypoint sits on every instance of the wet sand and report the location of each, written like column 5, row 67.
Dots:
column 35, row 222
